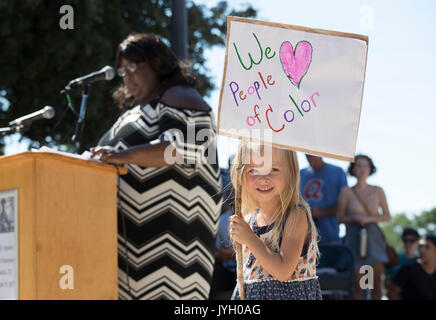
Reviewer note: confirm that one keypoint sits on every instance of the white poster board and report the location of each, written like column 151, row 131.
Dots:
column 9, row 245
column 294, row 87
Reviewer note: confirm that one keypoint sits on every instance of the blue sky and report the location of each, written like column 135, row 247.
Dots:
column 397, row 125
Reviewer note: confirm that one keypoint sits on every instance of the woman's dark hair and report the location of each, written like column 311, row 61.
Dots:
column 170, row 70
column 352, row 164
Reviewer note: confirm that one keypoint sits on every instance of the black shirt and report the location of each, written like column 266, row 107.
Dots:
column 416, row 283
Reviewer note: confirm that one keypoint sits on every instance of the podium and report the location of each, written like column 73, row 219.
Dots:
column 66, row 228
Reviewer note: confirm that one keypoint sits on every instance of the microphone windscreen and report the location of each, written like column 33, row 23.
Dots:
column 109, row 73
column 49, row 112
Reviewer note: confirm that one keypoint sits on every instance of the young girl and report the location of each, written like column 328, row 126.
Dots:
column 277, row 233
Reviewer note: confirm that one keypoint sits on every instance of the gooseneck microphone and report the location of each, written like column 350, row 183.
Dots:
column 45, row 113
column 106, row 73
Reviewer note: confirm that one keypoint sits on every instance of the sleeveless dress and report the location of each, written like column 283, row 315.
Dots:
column 303, row 284
column 167, row 216
column 376, row 245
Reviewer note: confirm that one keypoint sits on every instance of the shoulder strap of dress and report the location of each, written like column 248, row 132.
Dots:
column 253, row 217
column 366, row 208
column 309, row 236
column 360, row 199
column 284, row 223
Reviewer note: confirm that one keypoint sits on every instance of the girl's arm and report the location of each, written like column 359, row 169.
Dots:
column 279, row 265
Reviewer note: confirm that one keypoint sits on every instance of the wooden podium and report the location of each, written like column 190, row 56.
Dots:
column 66, row 217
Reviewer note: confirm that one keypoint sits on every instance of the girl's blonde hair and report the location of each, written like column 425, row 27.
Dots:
column 290, row 198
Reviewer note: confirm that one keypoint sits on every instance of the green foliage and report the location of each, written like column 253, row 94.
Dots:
column 394, row 228
column 38, row 58
column 425, row 223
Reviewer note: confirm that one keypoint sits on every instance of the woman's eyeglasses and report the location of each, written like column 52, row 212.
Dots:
column 123, row 71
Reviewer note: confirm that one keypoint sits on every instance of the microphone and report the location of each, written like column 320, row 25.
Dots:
column 46, row 113
column 106, row 73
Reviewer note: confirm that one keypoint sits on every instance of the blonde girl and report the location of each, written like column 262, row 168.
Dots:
column 277, row 232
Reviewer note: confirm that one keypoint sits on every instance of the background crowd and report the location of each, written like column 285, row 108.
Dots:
column 343, row 266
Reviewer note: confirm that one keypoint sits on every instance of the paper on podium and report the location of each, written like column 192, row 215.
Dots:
column 86, row 155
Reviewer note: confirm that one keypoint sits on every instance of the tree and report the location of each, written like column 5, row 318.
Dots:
column 38, row 58
column 424, row 223
column 393, row 229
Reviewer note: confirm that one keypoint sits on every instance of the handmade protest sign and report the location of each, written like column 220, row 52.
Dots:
column 293, row 87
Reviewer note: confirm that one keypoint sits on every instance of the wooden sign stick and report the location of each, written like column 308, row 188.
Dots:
column 238, row 246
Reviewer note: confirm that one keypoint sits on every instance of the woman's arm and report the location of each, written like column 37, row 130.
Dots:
column 159, row 153
column 145, row 155
column 342, row 207
column 279, row 265
column 386, row 216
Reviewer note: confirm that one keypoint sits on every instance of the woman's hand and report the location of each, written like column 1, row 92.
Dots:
column 108, row 154
column 240, row 230
column 361, row 220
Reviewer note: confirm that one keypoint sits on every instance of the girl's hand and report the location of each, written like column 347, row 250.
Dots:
column 240, row 230
column 108, row 154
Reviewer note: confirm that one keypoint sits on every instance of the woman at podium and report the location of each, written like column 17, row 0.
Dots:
column 170, row 199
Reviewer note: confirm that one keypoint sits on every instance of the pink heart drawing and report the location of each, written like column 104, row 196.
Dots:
column 296, row 63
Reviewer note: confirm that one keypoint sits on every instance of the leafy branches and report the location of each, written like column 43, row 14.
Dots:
column 38, row 58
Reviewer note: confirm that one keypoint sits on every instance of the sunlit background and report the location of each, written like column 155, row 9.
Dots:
column 397, row 125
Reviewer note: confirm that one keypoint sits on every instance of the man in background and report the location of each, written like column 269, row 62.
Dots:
column 417, row 281
column 410, row 238
column 320, row 186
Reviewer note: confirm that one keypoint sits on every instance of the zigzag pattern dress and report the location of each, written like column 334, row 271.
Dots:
column 168, row 216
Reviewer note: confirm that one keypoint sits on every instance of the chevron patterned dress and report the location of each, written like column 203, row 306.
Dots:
column 168, row 216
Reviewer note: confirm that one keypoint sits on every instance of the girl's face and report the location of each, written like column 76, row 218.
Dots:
column 362, row 168
column 267, row 180
column 141, row 83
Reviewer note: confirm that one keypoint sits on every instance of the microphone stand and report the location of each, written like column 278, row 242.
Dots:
column 81, row 121
column 7, row 130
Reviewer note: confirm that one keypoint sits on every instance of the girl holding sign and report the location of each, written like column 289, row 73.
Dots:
column 277, row 232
